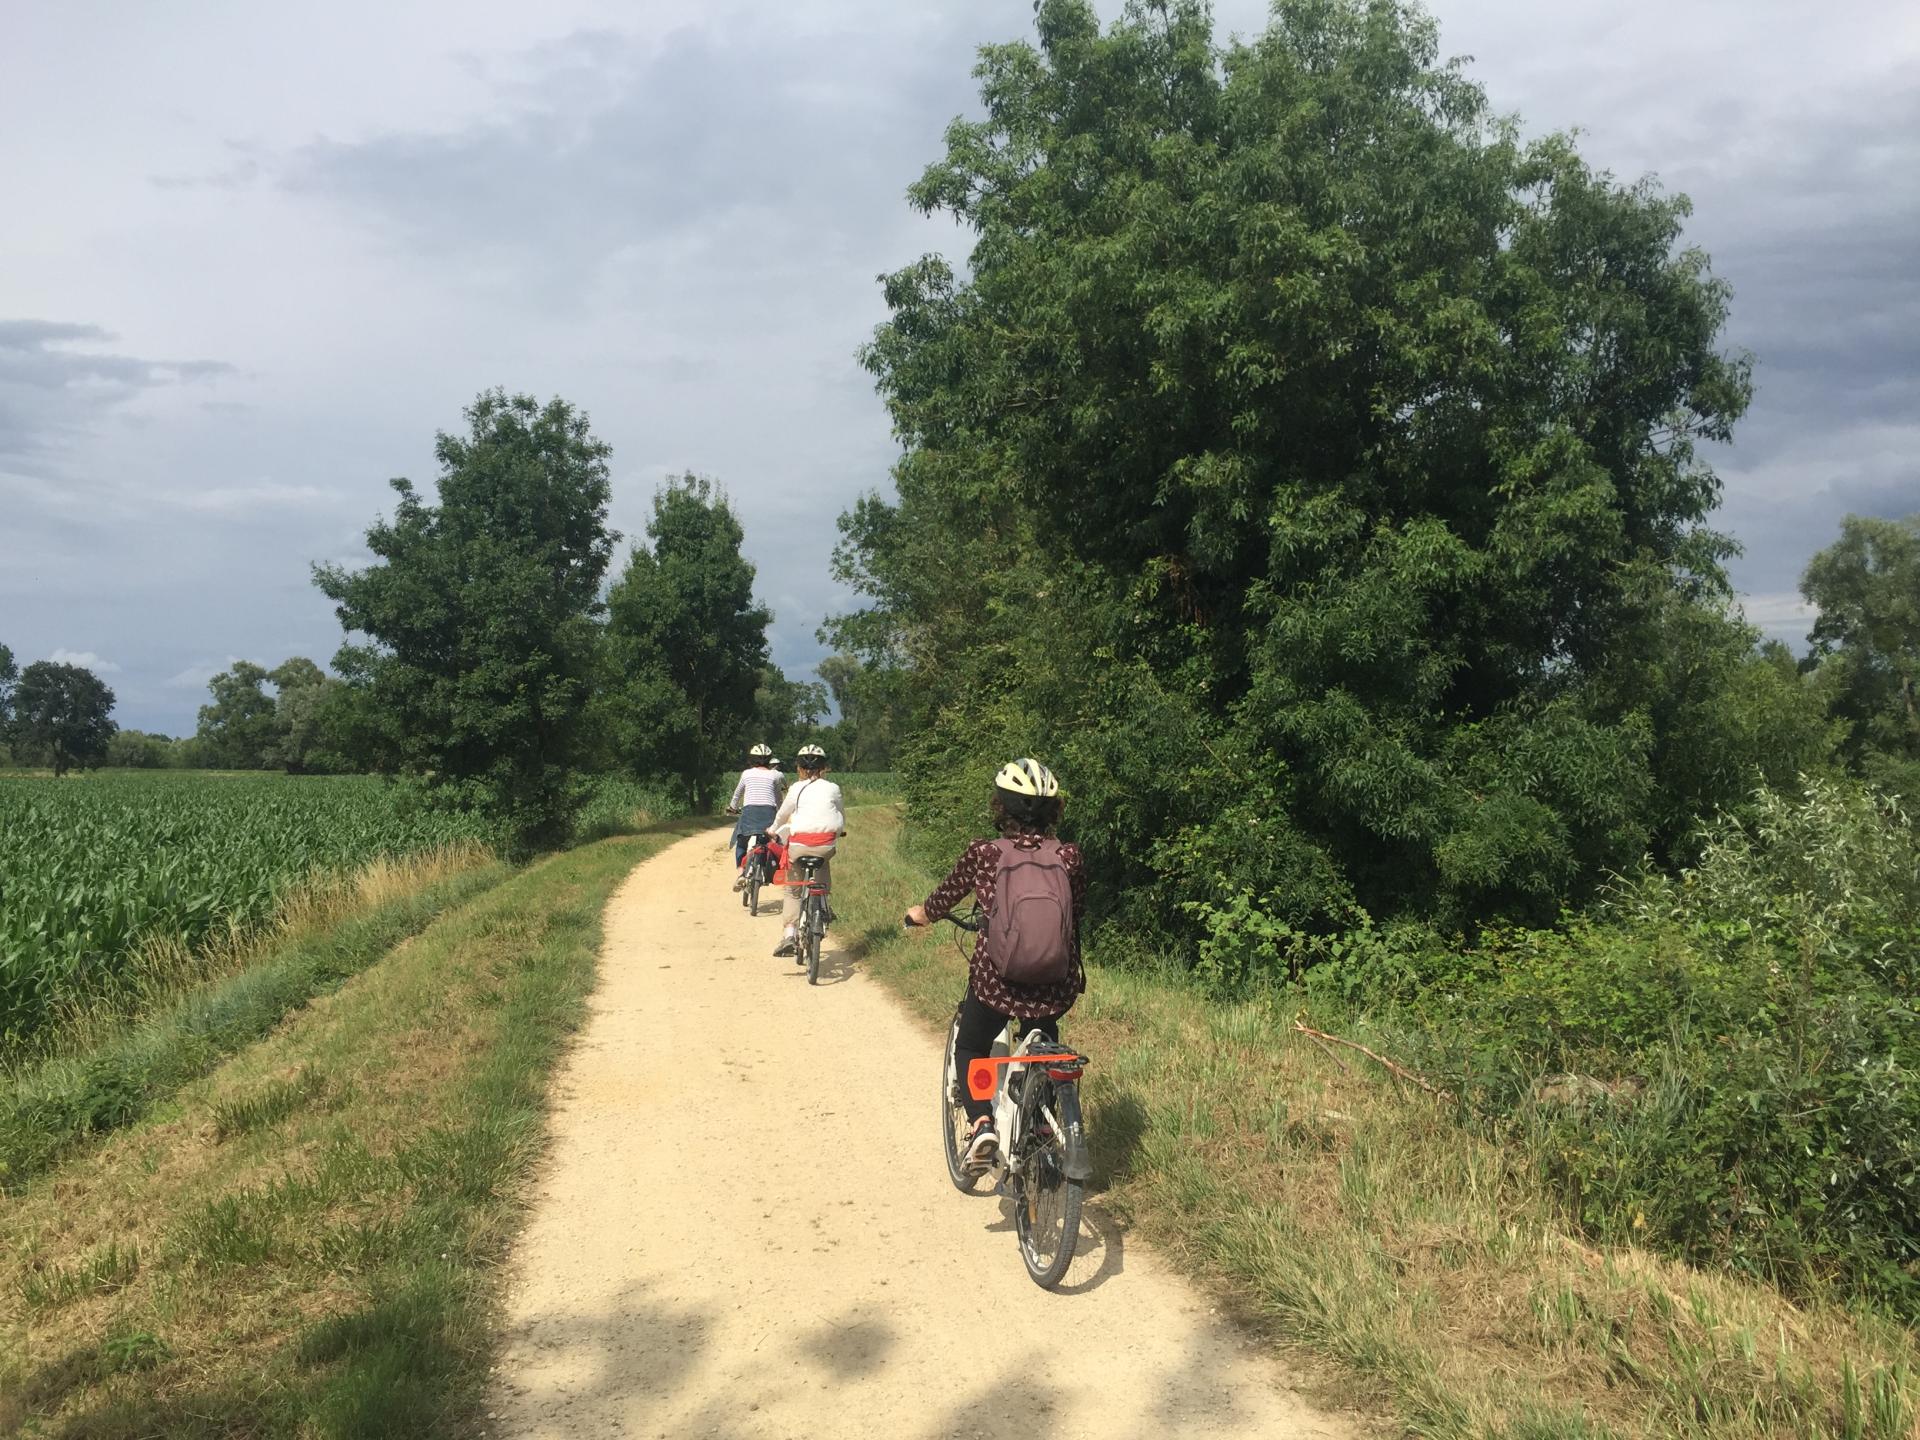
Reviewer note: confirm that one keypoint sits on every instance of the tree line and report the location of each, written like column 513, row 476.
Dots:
column 491, row 666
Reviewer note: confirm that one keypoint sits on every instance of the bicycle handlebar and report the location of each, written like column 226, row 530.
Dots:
column 969, row 922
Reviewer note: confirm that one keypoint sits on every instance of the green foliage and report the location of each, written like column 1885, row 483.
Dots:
column 137, row 750
column 238, row 728
column 64, row 712
column 49, row 1108
column 685, row 644
column 9, row 676
column 92, row 871
column 479, row 612
column 787, row 713
column 1306, row 466
column 1867, row 641
column 1724, row 1061
column 874, row 705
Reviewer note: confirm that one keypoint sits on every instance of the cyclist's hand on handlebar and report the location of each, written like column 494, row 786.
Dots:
column 916, row 917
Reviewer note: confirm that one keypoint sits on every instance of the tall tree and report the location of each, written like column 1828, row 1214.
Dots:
column 9, row 674
column 480, row 613
column 302, row 692
column 239, row 727
column 871, row 697
column 1867, row 588
column 64, row 711
column 787, row 713
column 686, row 641
column 1296, row 450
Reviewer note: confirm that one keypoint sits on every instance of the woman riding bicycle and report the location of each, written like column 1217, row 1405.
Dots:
column 811, row 820
column 756, row 797
column 1026, row 807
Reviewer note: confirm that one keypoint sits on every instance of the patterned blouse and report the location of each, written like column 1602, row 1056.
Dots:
column 975, row 871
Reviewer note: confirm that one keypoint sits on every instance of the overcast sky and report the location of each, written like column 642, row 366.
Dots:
column 252, row 259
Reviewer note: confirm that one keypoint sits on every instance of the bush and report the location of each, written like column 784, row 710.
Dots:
column 1725, row 1062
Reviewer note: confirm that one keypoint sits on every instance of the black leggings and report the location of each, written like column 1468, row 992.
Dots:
column 980, row 1026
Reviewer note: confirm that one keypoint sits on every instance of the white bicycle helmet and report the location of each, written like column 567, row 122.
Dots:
column 1027, row 777
column 761, row 752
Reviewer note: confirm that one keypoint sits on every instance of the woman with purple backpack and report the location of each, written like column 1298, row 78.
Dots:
column 1026, row 959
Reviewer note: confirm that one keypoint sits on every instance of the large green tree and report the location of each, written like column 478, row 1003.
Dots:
column 303, row 695
column 686, row 643
column 787, row 713
column 239, row 727
column 479, row 616
column 1294, row 462
column 64, row 712
column 871, row 698
column 1867, row 639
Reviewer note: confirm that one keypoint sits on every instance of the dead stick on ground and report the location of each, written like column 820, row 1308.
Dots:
column 1374, row 1055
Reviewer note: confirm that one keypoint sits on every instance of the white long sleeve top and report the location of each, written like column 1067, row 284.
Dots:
column 812, row 807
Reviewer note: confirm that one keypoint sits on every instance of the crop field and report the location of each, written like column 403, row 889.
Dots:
column 94, row 870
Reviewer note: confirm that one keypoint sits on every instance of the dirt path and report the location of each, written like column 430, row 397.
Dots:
column 747, row 1231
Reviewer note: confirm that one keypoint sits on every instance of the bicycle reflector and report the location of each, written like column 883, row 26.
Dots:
column 980, row 1079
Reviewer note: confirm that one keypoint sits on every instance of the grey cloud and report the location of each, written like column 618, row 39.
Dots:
column 49, row 389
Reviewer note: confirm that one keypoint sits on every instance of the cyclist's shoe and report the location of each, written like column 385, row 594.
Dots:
column 740, row 881
column 831, row 917
column 787, row 945
column 983, row 1149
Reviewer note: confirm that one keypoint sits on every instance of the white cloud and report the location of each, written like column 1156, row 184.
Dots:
column 86, row 660
column 236, row 499
column 196, row 675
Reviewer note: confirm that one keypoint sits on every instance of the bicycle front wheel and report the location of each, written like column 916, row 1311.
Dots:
column 1046, row 1201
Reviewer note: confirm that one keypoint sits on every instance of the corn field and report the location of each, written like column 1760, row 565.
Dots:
column 93, row 870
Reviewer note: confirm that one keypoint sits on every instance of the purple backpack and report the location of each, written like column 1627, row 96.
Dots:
column 1030, row 927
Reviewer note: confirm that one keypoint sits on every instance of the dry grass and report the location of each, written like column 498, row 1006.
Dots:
column 307, row 1243
column 1345, row 1213
column 165, row 967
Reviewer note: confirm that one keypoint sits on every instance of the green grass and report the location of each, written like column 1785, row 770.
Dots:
column 49, row 1108
column 1350, row 1220
column 316, row 1227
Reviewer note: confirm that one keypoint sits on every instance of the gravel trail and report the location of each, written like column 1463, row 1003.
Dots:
column 745, row 1228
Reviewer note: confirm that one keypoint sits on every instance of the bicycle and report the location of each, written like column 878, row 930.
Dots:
column 758, row 871
column 813, row 914
column 1043, row 1166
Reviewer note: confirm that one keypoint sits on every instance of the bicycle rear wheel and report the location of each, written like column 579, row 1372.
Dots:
column 753, row 888
column 812, row 923
column 956, row 1130
column 1046, row 1202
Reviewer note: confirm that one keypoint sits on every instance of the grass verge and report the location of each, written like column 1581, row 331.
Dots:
column 308, row 1243
column 1353, row 1219
column 50, row 1107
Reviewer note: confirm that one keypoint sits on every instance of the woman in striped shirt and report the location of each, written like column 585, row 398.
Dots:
column 755, row 798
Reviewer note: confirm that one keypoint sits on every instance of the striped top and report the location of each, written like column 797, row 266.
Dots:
column 759, row 785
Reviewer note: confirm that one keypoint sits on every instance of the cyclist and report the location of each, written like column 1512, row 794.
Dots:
column 1026, row 808
column 755, row 799
column 811, row 821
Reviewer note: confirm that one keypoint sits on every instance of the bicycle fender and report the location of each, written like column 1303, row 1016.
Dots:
column 1077, row 1165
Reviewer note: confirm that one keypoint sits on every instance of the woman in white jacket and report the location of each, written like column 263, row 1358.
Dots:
column 811, row 820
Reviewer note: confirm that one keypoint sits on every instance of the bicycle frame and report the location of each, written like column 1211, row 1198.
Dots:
column 1008, row 1113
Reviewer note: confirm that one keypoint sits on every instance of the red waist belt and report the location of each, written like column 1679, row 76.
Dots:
column 817, row 837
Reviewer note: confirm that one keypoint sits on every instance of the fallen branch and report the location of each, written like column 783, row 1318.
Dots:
column 1375, row 1056
column 1331, row 1054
